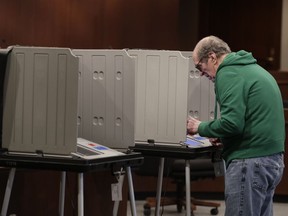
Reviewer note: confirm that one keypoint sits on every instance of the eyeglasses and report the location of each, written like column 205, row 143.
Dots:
column 198, row 65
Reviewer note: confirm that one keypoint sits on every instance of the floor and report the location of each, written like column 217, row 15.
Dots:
column 280, row 209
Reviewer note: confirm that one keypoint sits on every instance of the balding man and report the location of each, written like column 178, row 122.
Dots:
column 251, row 126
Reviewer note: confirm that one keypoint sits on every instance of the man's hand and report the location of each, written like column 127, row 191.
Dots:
column 215, row 141
column 192, row 125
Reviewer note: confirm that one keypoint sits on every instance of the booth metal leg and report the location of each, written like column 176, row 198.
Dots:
column 131, row 191
column 62, row 193
column 188, row 195
column 116, row 203
column 80, row 195
column 159, row 186
column 8, row 192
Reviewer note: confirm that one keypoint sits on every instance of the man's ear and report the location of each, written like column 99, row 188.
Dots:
column 213, row 57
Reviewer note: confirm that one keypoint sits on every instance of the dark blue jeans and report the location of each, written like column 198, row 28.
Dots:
column 250, row 185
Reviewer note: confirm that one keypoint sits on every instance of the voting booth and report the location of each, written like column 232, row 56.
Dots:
column 201, row 96
column 161, row 96
column 106, row 95
column 40, row 101
column 128, row 96
column 115, row 98
column 40, row 113
column 112, row 97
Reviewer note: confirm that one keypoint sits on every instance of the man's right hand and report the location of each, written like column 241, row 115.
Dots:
column 215, row 141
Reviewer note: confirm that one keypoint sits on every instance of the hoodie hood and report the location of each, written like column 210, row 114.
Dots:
column 238, row 58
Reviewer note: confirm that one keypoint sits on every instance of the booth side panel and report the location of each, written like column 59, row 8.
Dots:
column 40, row 104
column 161, row 95
column 107, row 98
column 201, row 96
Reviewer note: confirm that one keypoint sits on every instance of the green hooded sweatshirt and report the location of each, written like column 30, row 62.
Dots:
column 252, row 117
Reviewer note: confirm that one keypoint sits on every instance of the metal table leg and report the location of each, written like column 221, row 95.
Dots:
column 8, row 192
column 188, row 195
column 62, row 193
column 159, row 186
column 131, row 191
column 80, row 195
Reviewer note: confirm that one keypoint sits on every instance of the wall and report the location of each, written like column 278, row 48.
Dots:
column 284, row 36
column 248, row 25
column 99, row 24
column 36, row 192
column 173, row 25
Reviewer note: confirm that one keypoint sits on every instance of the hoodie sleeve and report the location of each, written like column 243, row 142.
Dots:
column 230, row 91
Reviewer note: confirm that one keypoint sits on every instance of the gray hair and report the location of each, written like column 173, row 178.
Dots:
column 212, row 44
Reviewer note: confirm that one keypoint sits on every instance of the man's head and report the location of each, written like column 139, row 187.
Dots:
column 209, row 54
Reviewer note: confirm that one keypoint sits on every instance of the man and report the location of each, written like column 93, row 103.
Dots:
column 251, row 126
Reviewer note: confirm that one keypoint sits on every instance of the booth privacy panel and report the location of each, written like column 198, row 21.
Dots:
column 106, row 106
column 161, row 95
column 123, row 99
column 40, row 100
column 3, row 62
column 201, row 96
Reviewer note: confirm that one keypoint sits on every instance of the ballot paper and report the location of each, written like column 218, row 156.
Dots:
column 196, row 141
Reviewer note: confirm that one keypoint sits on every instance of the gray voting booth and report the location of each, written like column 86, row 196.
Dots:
column 201, row 96
column 106, row 97
column 161, row 96
column 40, row 105
column 112, row 97
column 132, row 95
column 40, row 100
column 128, row 96
column 117, row 97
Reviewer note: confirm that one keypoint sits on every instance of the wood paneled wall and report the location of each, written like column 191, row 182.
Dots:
column 36, row 192
column 146, row 24
column 114, row 24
